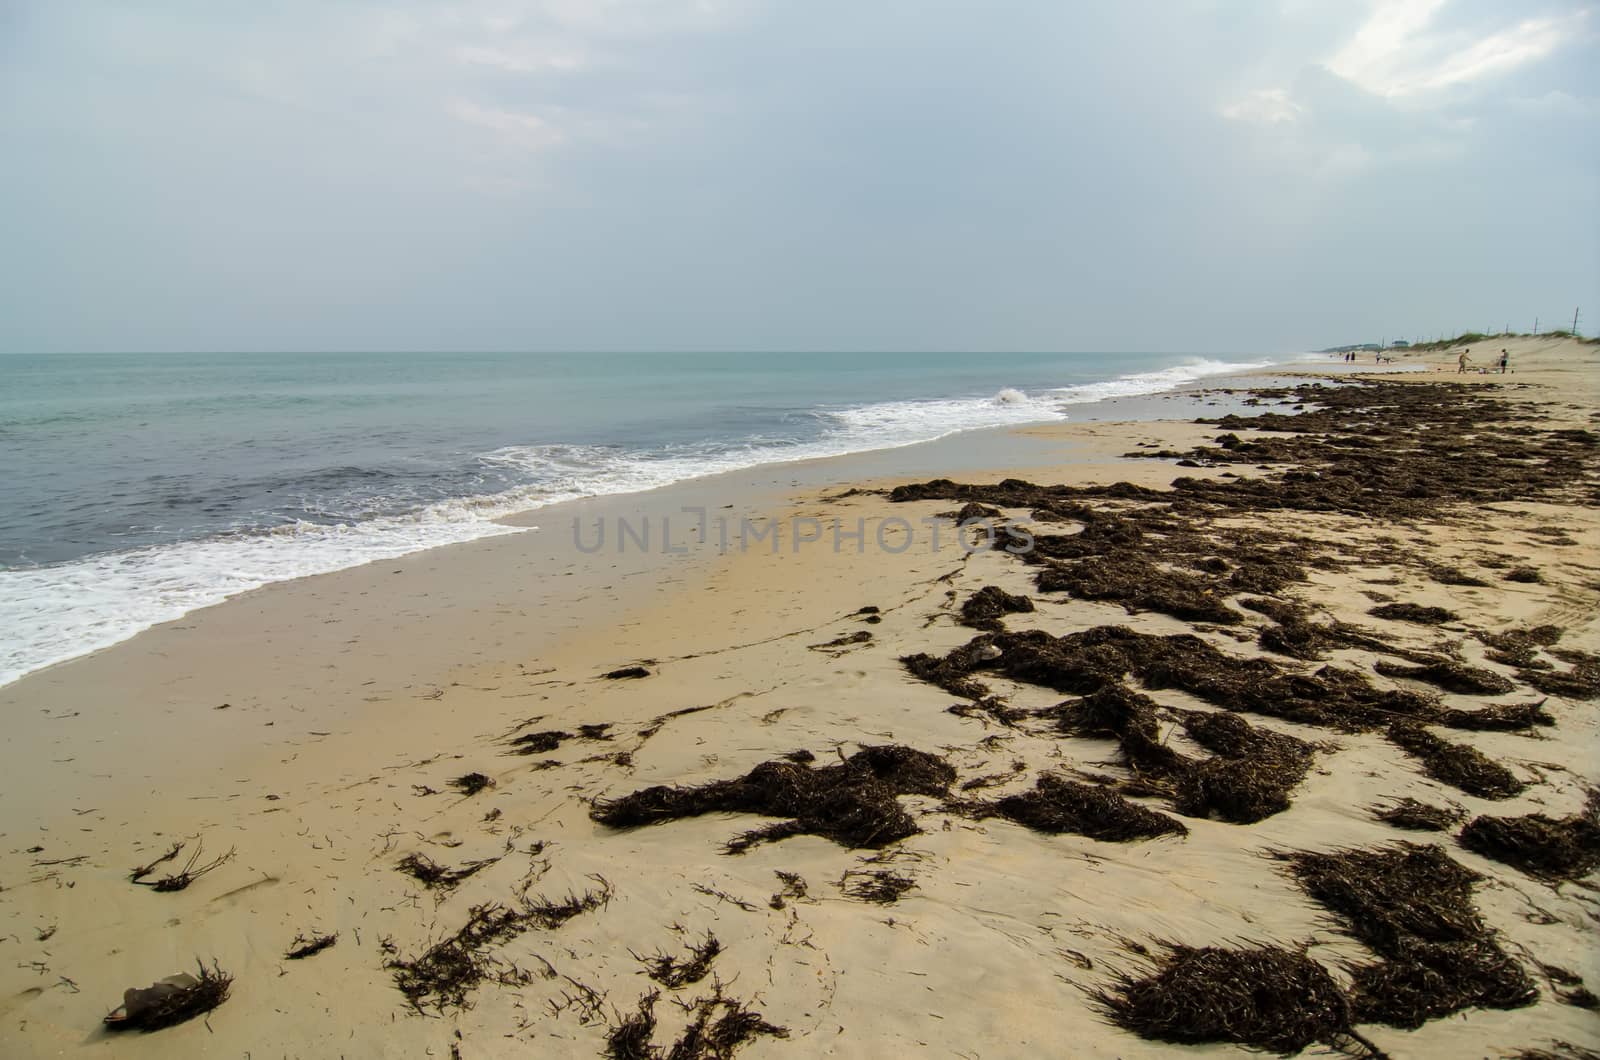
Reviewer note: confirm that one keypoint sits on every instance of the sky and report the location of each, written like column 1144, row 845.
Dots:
column 788, row 175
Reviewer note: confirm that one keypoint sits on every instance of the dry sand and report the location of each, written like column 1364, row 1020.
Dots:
column 353, row 699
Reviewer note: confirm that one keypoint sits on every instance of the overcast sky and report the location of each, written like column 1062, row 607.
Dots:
column 793, row 174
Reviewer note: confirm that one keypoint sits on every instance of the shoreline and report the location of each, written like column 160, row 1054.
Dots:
column 807, row 468
column 309, row 773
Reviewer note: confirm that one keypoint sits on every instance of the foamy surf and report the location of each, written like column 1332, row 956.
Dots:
column 1136, row 384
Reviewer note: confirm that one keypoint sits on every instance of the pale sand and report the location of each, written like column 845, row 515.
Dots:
column 347, row 690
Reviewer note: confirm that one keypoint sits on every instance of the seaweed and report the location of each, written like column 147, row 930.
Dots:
column 433, row 875
column 1500, row 717
column 853, row 803
column 172, row 1001
column 1581, row 682
column 1418, row 816
column 446, row 973
column 630, row 1037
column 1260, row 996
column 988, row 605
column 626, row 673
column 1451, row 676
column 306, row 946
column 673, row 973
column 1525, row 575
column 192, row 870
column 139, row 872
column 794, row 887
column 1057, row 806
column 1415, row 613
column 470, row 784
column 879, row 886
column 1566, row 848
column 1412, row 905
column 1459, row 765
column 718, row 1027
column 535, row 743
column 1140, row 585
column 1085, row 662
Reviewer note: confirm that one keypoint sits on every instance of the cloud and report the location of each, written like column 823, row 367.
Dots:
column 513, row 127
column 1399, row 53
column 1268, row 106
column 522, row 60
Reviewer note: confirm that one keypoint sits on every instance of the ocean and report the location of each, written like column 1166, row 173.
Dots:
column 135, row 488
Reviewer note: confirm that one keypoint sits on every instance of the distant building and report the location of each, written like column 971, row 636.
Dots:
column 1399, row 344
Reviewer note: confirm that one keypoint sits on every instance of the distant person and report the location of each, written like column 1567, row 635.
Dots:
column 1462, row 362
column 1505, row 361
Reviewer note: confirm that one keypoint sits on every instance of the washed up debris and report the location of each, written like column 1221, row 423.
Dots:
column 171, row 1000
column 672, row 972
column 446, row 973
column 1417, row 816
column 1414, row 613
column 853, row 803
column 985, row 608
column 1266, row 997
column 305, row 946
column 1457, row 764
column 433, row 875
column 470, row 784
column 1451, row 676
column 1088, row 661
column 1056, row 806
column 1412, row 905
column 538, row 743
column 192, row 869
column 1546, row 847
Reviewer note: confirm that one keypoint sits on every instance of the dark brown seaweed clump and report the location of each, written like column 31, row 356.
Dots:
column 171, row 1001
column 1248, row 780
column 1418, row 816
column 1085, row 662
column 1451, row 676
column 1546, row 847
column 988, row 605
column 1500, row 717
column 1060, row 806
column 853, row 803
column 1457, row 764
column 1259, row 996
column 1417, row 613
column 470, row 784
column 1412, row 905
column 538, row 743
column 303, row 946
column 1581, row 682
column 719, row 1026
column 1140, row 585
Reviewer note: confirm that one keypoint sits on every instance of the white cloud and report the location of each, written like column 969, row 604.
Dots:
column 513, row 127
column 1398, row 53
column 522, row 60
column 1268, row 106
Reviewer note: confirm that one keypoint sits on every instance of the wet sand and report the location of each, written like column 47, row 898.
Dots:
column 314, row 728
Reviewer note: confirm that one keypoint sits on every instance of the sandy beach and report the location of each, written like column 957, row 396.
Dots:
column 824, row 794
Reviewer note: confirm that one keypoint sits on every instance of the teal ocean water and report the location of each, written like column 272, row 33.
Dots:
column 137, row 487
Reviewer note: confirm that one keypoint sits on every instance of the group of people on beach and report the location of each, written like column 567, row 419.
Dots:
column 1503, row 361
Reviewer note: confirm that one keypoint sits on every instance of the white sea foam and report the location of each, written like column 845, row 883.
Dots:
column 1154, row 382
column 53, row 613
